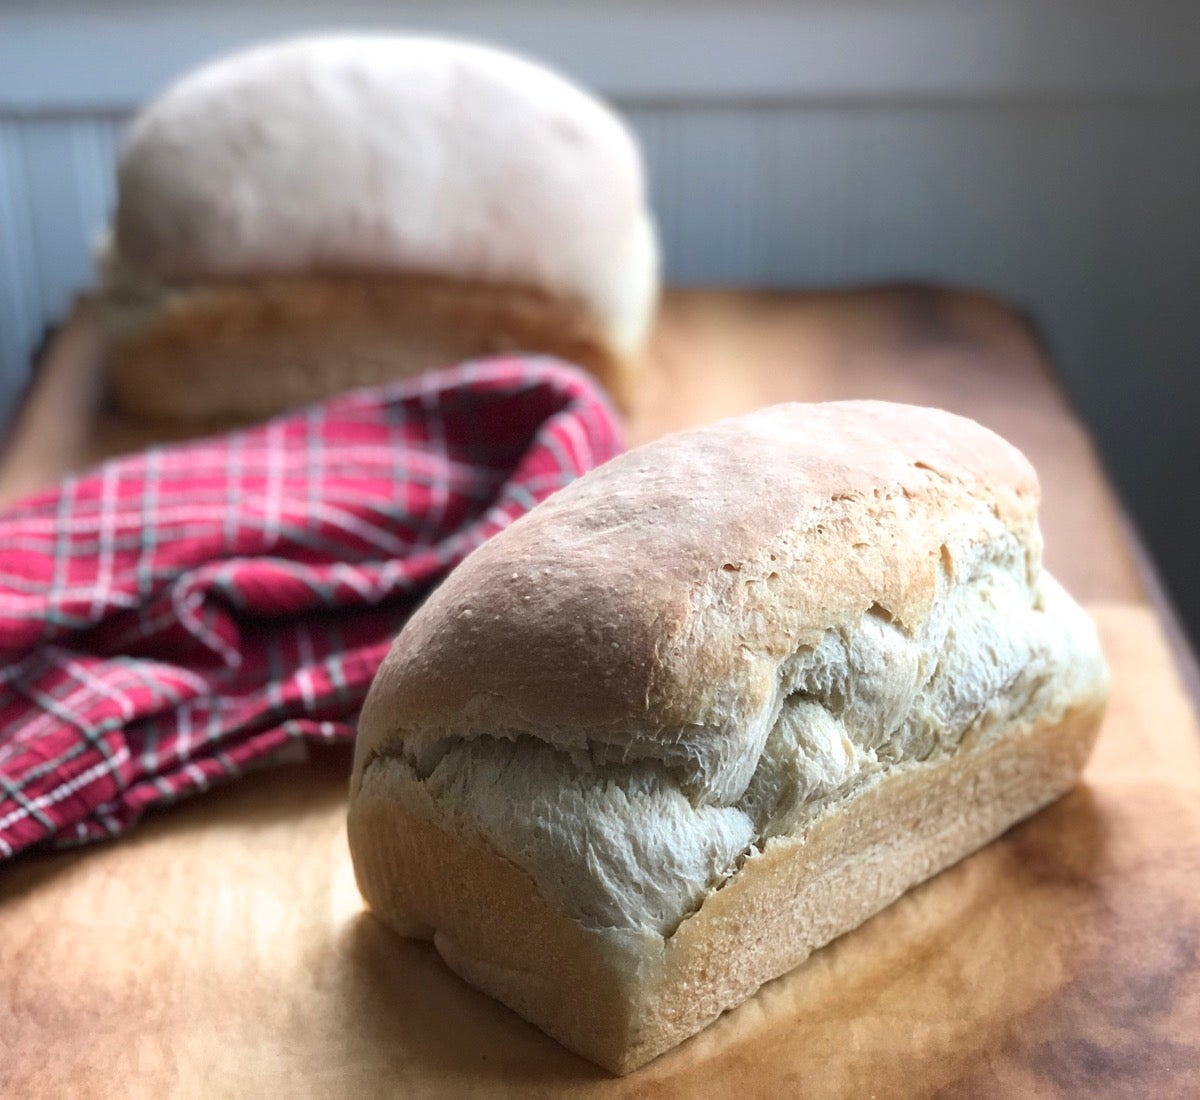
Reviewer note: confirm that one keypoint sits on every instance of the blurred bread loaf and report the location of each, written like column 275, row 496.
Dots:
column 713, row 705
column 327, row 212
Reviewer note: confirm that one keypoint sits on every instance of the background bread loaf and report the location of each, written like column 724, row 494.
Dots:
column 336, row 210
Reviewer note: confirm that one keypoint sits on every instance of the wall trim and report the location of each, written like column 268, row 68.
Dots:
column 649, row 51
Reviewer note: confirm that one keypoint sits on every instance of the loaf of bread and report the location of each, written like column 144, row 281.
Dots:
column 327, row 212
column 714, row 705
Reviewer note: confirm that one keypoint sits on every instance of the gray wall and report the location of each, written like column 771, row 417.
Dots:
column 1049, row 152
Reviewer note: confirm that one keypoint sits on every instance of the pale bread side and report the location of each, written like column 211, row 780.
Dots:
column 621, row 997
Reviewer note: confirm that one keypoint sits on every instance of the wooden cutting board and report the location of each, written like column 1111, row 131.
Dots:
column 222, row 950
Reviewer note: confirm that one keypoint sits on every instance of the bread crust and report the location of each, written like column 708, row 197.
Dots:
column 393, row 152
column 249, row 348
column 622, row 997
column 653, row 600
column 731, row 621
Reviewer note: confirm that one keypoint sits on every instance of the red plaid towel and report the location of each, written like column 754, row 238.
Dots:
column 176, row 616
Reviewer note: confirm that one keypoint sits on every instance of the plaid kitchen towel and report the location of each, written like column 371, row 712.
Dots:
column 176, row 616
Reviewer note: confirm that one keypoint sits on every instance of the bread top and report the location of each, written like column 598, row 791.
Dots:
column 389, row 153
column 651, row 610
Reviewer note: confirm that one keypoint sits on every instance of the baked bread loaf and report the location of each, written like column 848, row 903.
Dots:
column 713, row 705
column 336, row 211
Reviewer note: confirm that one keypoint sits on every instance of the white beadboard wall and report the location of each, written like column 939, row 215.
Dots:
column 1047, row 151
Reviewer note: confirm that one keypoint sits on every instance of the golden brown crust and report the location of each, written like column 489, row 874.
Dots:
column 620, row 998
column 254, row 347
column 656, row 597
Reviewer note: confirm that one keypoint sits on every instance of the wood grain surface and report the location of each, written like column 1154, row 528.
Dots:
column 221, row 949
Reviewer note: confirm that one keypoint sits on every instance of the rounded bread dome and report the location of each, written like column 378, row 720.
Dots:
column 385, row 153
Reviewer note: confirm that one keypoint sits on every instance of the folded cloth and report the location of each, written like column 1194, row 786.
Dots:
column 177, row 616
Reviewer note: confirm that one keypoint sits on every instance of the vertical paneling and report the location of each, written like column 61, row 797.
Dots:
column 1086, row 214
column 719, row 176
column 708, row 168
column 808, row 195
column 68, row 166
column 93, row 144
column 20, row 306
column 656, row 134
column 56, row 193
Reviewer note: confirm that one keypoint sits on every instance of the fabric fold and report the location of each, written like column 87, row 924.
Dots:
column 177, row 616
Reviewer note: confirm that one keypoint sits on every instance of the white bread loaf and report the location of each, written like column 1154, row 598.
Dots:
column 343, row 209
column 713, row 705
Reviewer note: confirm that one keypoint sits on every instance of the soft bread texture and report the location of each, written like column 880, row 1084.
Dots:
column 713, row 705
column 379, row 156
